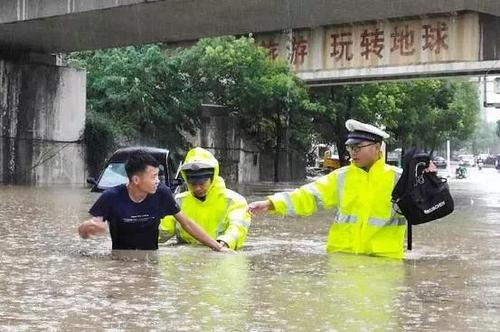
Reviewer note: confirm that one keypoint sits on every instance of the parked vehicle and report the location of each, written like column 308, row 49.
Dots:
column 440, row 162
column 114, row 173
column 487, row 160
column 466, row 160
column 482, row 157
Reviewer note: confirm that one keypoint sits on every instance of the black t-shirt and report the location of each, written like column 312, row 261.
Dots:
column 134, row 225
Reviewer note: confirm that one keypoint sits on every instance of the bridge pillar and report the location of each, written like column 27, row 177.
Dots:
column 42, row 117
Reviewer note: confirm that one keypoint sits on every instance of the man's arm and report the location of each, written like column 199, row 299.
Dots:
column 94, row 226
column 99, row 213
column 303, row 201
column 198, row 233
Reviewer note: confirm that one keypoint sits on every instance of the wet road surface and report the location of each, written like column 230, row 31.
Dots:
column 51, row 280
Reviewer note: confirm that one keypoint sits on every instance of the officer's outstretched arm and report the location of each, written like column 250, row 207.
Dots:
column 197, row 232
column 306, row 200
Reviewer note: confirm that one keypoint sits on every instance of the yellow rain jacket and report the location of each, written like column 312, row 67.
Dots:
column 223, row 214
column 365, row 221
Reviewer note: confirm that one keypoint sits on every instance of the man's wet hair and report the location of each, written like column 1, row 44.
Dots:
column 138, row 162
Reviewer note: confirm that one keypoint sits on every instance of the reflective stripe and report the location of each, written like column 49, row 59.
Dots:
column 178, row 200
column 394, row 221
column 398, row 221
column 345, row 219
column 395, row 215
column 221, row 227
column 232, row 236
column 377, row 222
column 289, row 205
column 340, row 184
column 317, row 198
column 341, row 218
column 243, row 223
column 397, row 175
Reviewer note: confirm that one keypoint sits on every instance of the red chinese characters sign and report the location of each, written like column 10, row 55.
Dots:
column 402, row 41
column 386, row 43
column 341, row 46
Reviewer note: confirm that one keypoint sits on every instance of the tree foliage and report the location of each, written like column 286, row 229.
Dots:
column 271, row 104
column 423, row 113
column 141, row 92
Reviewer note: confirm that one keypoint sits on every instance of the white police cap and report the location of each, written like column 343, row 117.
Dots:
column 359, row 132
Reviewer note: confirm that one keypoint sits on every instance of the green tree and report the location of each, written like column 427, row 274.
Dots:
column 100, row 139
column 340, row 103
column 483, row 140
column 271, row 104
column 141, row 93
column 421, row 113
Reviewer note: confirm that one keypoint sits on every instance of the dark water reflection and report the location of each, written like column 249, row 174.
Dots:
column 282, row 281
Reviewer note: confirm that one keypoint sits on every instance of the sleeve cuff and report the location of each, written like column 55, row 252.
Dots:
column 278, row 203
column 226, row 240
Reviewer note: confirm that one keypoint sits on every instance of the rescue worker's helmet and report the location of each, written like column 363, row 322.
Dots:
column 198, row 172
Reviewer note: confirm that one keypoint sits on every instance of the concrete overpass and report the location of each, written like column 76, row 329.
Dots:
column 42, row 103
column 69, row 25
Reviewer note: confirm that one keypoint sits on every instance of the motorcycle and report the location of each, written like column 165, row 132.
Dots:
column 461, row 172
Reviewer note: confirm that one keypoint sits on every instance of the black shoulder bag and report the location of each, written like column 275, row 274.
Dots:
column 421, row 197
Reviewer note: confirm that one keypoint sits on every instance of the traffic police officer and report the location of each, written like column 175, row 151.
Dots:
column 365, row 221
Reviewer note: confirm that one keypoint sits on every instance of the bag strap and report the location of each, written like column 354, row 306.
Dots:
column 409, row 239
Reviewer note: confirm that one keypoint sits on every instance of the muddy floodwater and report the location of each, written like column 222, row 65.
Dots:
column 51, row 280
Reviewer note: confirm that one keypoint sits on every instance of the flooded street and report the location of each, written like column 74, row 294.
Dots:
column 283, row 280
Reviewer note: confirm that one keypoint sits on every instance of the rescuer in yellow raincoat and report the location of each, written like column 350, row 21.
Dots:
column 221, row 212
column 365, row 221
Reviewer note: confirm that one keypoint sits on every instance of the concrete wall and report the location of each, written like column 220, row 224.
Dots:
column 249, row 163
column 240, row 159
column 292, row 167
column 42, row 117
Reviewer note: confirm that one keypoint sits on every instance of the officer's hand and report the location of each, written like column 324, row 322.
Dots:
column 92, row 227
column 259, row 207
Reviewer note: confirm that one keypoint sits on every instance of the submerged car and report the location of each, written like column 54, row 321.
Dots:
column 114, row 173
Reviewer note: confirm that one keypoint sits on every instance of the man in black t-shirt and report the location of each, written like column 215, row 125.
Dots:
column 134, row 210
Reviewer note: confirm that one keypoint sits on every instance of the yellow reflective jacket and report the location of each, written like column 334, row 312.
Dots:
column 365, row 221
column 223, row 214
